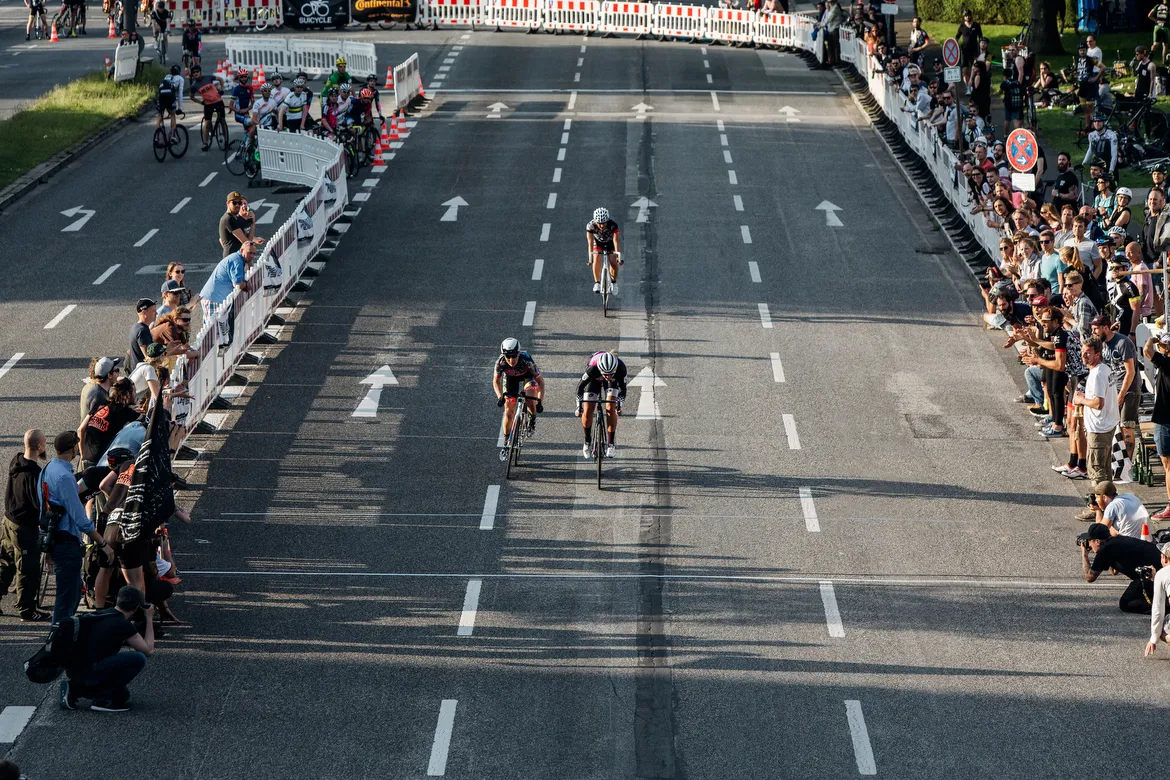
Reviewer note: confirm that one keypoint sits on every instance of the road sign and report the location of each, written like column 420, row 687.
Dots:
column 953, row 75
column 951, row 52
column 890, row 9
column 1022, row 150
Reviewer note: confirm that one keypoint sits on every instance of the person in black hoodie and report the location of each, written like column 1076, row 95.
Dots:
column 20, row 558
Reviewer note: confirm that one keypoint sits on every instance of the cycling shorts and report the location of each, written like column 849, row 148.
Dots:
column 243, row 119
column 165, row 103
column 1161, row 34
column 36, row 8
column 513, row 385
column 593, row 392
column 604, row 248
column 191, row 48
column 214, row 109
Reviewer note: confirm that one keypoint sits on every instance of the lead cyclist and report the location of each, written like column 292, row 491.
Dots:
column 603, row 235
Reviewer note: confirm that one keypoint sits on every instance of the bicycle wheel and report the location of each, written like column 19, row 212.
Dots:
column 233, row 157
column 605, row 286
column 160, row 144
column 351, row 160
column 179, row 140
column 221, row 133
column 599, row 436
column 1154, row 126
column 252, row 163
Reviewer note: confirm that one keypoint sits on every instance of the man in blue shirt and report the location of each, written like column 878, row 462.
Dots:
column 71, row 525
column 230, row 272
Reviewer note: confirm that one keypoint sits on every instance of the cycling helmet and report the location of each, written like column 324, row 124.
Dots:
column 1099, row 117
column 607, row 363
column 509, row 347
column 298, row 82
column 340, row 62
column 276, row 77
column 372, row 77
column 601, row 214
column 176, row 70
column 332, row 92
column 243, row 75
column 1159, row 168
column 366, row 94
column 265, row 89
column 1127, row 192
column 344, row 87
column 118, row 455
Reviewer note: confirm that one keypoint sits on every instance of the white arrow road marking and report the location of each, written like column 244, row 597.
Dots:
column 831, row 218
column 60, row 316
column 790, row 432
column 149, row 235
column 269, row 210
column 641, row 108
column 487, row 521
column 809, row 510
column 437, row 767
column 777, row 368
column 495, row 109
column 647, row 405
column 862, row 750
column 377, row 380
column 470, row 607
column 73, row 227
column 12, row 361
column 107, row 273
column 643, row 205
column 452, row 212
column 832, row 614
column 790, row 113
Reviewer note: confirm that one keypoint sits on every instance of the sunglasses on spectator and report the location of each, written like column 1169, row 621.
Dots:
column 185, row 320
column 237, row 202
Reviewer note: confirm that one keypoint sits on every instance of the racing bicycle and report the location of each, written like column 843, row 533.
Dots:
column 523, row 426
column 68, row 19
column 176, row 143
column 242, row 156
column 606, row 279
column 39, row 20
column 601, row 431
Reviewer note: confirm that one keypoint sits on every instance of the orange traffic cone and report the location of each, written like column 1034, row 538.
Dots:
column 378, row 161
column 389, row 77
column 385, row 139
column 53, row 38
column 262, row 81
column 393, row 128
column 1146, row 537
column 422, row 93
column 219, row 69
column 107, row 63
column 111, row 33
column 403, row 131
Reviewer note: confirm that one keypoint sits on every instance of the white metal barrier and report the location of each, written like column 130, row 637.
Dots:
column 525, row 14
column 125, row 63
column 730, row 25
column 315, row 56
column 407, row 82
column 626, row 18
column 572, row 15
column 679, row 21
column 251, row 51
column 454, row 13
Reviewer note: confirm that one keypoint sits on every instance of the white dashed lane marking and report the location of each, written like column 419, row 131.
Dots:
column 529, row 314
column 714, row 100
column 8, row 364
column 777, row 368
column 754, row 270
column 106, row 274
column 179, row 206
column 207, row 181
column 552, row 201
column 544, row 231
column 149, row 235
column 727, row 157
column 12, row 722
column 487, row 521
column 811, row 523
column 832, row 614
column 437, row 766
column 537, row 269
column 731, row 177
column 60, row 316
column 738, row 201
column 556, row 175
column 765, row 315
column 746, row 233
column 561, row 154
column 790, row 432
column 470, row 607
column 860, row 734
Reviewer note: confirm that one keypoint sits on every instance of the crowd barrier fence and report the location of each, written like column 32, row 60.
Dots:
column 407, row 82
column 315, row 56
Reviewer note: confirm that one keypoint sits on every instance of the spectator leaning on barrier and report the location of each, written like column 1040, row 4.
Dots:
column 102, row 373
column 103, row 674
column 1102, row 415
column 20, row 555
column 231, row 272
column 829, row 25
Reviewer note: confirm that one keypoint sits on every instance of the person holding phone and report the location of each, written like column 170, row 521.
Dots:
column 103, row 673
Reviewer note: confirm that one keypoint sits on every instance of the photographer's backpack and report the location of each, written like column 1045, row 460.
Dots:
column 63, row 648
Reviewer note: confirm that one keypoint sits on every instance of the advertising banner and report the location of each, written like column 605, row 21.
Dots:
column 307, row 14
column 371, row 11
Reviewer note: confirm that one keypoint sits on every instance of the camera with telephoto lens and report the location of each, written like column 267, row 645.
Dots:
column 1144, row 572
column 1083, row 539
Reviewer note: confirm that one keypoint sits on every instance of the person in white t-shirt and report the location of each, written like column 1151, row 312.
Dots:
column 264, row 110
column 1102, row 414
column 1158, row 621
column 1123, row 513
column 1094, row 50
column 145, row 374
column 279, row 91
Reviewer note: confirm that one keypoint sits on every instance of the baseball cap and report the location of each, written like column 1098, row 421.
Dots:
column 1038, row 300
column 233, row 195
column 154, row 350
column 1103, row 488
column 66, row 440
column 1099, row 531
column 171, row 285
column 1164, row 548
column 105, row 365
column 1164, row 338
column 144, row 304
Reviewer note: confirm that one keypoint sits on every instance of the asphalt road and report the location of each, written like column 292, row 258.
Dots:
column 866, row 567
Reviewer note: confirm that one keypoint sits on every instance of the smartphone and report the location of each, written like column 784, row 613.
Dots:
column 1021, row 347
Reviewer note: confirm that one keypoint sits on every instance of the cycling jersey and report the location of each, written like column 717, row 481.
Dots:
column 170, row 91
column 330, row 113
column 1103, row 146
column 1161, row 14
column 192, row 40
column 265, row 111
column 603, row 234
column 515, row 377
column 336, row 79
column 207, row 89
column 294, row 105
column 592, row 382
column 358, row 112
column 280, row 93
column 161, row 18
column 375, row 101
column 242, row 103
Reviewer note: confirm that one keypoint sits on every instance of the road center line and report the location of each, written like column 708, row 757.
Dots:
column 180, row 205
column 568, row 123
column 537, row 269
column 738, row 201
column 731, row 177
column 552, row 201
column 106, row 274
column 444, row 68
column 564, row 138
column 832, row 614
column 709, row 79
column 723, row 139
column 572, row 103
column 577, row 77
column 582, row 48
column 580, row 61
column 714, row 100
column 487, row 520
column 556, row 175
column 529, row 314
column 754, row 270
column 561, row 154
column 719, row 125
column 12, row 361
column 149, row 235
column 471, row 606
column 60, row 316
column 544, row 230
column 727, row 157
column 777, row 368
column 706, row 63
column 442, row 743
column 746, row 233
column 790, row 432
column 860, row 734
column 812, row 523
column 765, row 315
column 12, row 722
column 207, row 181
column 703, row 49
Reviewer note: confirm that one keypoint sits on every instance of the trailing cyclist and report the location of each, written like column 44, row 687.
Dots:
column 294, row 109
column 242, row 99
column 602, row 234
column 208, row 92
column 170, row 98
column 516, row 372
column 360, row 113
column 605, row 375
column 265, row 111
column 372, row 86
column 36, row 16
column 192, row 42
column 1102, row 144
column 331, row 112
column 160, row 25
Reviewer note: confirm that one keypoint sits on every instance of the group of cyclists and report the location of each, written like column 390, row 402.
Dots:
column 604, row 380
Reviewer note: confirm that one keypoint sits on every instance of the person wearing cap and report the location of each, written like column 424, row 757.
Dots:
column 104, row 673
column 1126, row 300
column 1119, row 355
column 1157, row 351
column 1158, row 599
column 1123, row 554
column 102, row 373
column 172, row 295
column 1124, row 514
column 140, row 332
column 1102, row 144
column 235, row 229
column 71, row 526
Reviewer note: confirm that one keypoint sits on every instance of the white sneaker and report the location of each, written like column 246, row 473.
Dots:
column 586, row 450
column 613, row 289
column 597, row 287
column 610, row 451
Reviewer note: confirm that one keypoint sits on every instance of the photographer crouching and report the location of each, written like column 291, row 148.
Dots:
column 1126, row 555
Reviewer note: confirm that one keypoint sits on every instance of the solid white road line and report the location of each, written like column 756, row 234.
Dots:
column 812, row 523
column 832, row 614
column 529, row 314
column 180, row 205
column 861, row 747
column 149, row 235
column 572, row 104
column 552, row 201
column 556, row 175
column 537, row 269
column 12, row 361
column 745, row 233
column 12, row 722
column 754, row 270
column 714, row 100
column 777, row 368
column 561, row 154
column 564, row 139
column 765, row 316
column 723, row 139
column 544, row 229
column 471, row 606
column 207, row 181
column 487, row 521
column 727, row 157
column 738, row 201
column 106, row 274
column 60, row 316
column 732, row 177
column 442, row 744
column 709, row 79
column 790, row 432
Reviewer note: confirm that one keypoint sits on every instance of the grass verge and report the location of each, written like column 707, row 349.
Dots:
column 67, row 115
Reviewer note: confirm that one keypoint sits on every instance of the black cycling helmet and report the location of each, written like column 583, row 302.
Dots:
column 118, row 455
column 372, row 77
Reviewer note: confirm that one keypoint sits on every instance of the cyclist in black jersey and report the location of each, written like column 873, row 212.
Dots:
column 516, row 371
column 372, row 85
column 605, row 374
column 602, row 233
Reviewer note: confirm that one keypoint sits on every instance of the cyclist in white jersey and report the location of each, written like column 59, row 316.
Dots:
column 264, row 110
column 294, row 109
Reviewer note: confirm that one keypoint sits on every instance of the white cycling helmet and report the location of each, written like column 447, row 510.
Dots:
column 510, row 347
column 607, row 363
column 344, row 87
column 601, row 214
column 1126, row 191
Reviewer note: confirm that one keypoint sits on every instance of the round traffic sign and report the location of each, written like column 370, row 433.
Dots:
column 1022, row 150
column 951, row 52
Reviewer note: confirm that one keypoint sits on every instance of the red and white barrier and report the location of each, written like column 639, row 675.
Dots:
column 572, row 15
column 525, row 14
column 626, row 18
column 454, row 13
column 774, row 29
column 679, row 21
column 730, row 25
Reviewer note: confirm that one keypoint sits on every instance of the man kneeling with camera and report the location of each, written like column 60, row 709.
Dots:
column 1135, row 558
column 104, row 672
